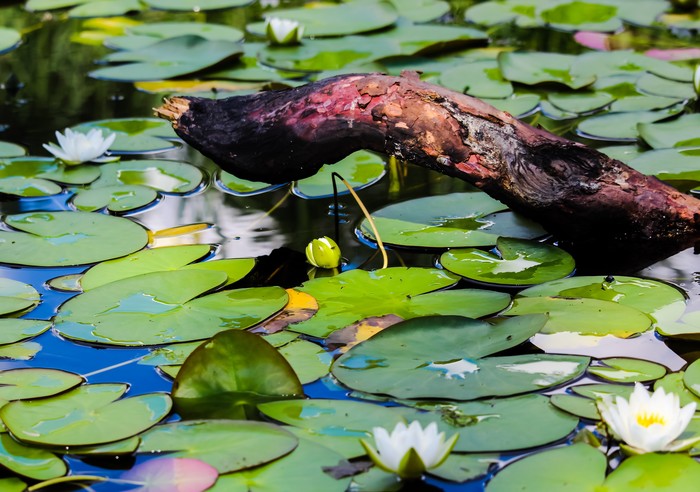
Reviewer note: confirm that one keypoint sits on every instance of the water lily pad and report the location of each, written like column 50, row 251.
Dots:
column 430, row 39
column 521, row 12
column 234, row 185
column 604, row 64
column 477, row 78
column 309, row 361
column 15, row 330
column 585, row 316
column 29, row 383
column 68, row 238
column 162, row 175
column 302, row 469
column 166, row 474
column 164, row 30
column 20, row 350
column 661, row 301
column 360, row 169
column 339, row 424
column 89, row 414
column 500, row 424
column 681, row 132
column 32, row 462
column 135, row 135
column 462, row 468
column 227, row 445
column 575, row 405
column 146, row 261
column 196, row 5
column 580, row 102
column 164, row 307
column 448, row 221
column 660, row 86
column 231, row 373
column 421, row 10
column 621, row 127
column 598, row 391
column 319, row 54
column 9, row 149
column 105, row 8
column 9, row 39
column 582, row 16
column 625, row 370
column 12, row 484
column 536, row 68
column 680, row 167
column 675, row 383
column 405, row 292
column 16, row 296
column 37, row 176
column 518, row 105
column 515, row 262
column 691, row 378
column 335, row 19
column 117, row 199
column 401, row 360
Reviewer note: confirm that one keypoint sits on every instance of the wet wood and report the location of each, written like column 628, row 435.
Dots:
column 576, row 192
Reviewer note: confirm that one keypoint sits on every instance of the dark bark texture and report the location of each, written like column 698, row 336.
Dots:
column 576, row 192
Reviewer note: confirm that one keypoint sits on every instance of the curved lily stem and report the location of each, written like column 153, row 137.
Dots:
column 380, row 244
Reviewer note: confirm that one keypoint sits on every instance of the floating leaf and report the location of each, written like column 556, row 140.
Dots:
column 37, row 176
column 164, row 30
column 9, row 149
column 499, row 424
column 477, row 78
column 32, row 462
column 584, row 408
column 515, row 262
column 429, row 39
column 114, row 198
column 691, row 378
column 135, row 135
column 405, row 292
column 227, row 445
column 679, row 167
column 537, row 68
column 462, row 468
column 164, row 307
column 231, row 373
column 234, row 185
column 598, row 391
column 309, row 361
column 675, row 383
column 20, row 351
column 582, row 16
column 9, row 39
column 681, row 132
column 89, row 414
column 604, row 64
column 624, row 370
column 68, row 238
column 660, row 86
column 16, row 296
column 620, row 127
column 401, row 360
column 162, row 175
column 360, row 169
column 169, row 474
column 421, row 10
column 302, row 469
column 335, row 20
column 521, row 12
column 580, row 102
column 105, row 8
column 448, row 221
column 29, row 383
column 15, row 330
column 12, row 484
column 518, row 105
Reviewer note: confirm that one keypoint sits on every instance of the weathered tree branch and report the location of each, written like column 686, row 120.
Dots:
column 576, row 192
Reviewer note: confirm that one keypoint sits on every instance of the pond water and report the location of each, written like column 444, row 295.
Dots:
column 45, row 88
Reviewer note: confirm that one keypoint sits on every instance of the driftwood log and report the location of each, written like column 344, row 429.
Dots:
column 576, row 192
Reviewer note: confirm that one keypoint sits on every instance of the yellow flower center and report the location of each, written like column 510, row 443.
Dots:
column 647, row 419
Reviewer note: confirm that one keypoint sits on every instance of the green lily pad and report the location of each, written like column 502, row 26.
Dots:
column 462, row 468
column 196, row 5
column 20, row 350
column 581, row 468
column 430, row 39
column 171, row 57
column 521, row 12
column 537, row 68
column 302, row 469
column 121, row 198
column 162, row 175
column 691, row 378
column 604, row 64
column 9, row 149
column 580, row 102
column 662, row 302
column 309, row 361
column 164, row 30
column 660, row 86
column 335, row 19
column 89, row 414
column 455, row 220
column 518, row 105
column 405, row 292
column 9, row 39
column 15, row 330
column 582, row 16
column 228, row 183
column 515, row 262
column 29, row 383
column 598, row 391
column 477, row 78
column 499, row 424
column 681, row 132
column 675, row 383
column 624, row 153
column 680, row 167
column 174, row 354
column 227, row 445
column 319, row 54
column 401, row 360
column 35, row 463
column 164, row 307
column 135, row 135
column 625, row 370
column 105, row 8
column 622, row 127
column 584, row 408
column 421, row 10
column 584, row 316
column 37, row 176
column 12, row 484
column 360, row 169
column 230, row 374
column 338, row 424
column 68, row 238
column 15, row 297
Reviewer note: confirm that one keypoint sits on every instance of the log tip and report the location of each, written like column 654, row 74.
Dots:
column 172, row 109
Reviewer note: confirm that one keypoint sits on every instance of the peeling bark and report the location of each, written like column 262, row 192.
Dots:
column 576, row 192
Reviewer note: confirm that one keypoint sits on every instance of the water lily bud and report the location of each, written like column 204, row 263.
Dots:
column 409, row 450
column 283, row 31
column 696, row 79
column 323, row 253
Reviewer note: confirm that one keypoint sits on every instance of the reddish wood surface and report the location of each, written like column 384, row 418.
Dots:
column 576, row 192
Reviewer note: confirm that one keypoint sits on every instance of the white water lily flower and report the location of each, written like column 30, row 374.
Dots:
column 76, row 147
column 648, row 422
column 409, row 451
column 283, row 31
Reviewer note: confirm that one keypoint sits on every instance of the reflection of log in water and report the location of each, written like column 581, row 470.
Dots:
column 576, row 192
